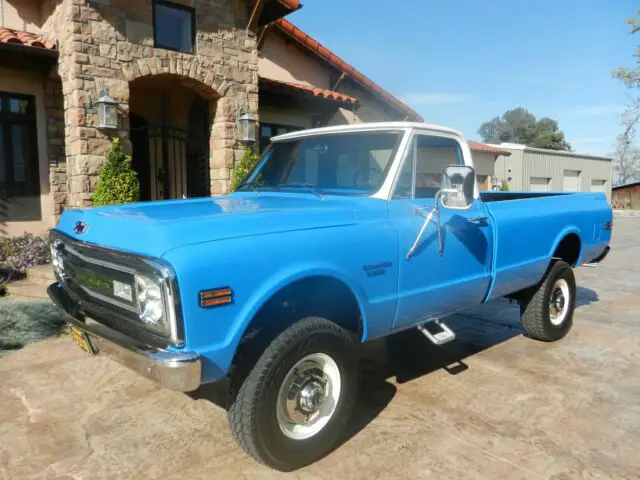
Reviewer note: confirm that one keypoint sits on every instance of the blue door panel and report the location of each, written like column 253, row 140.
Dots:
column 431, row 284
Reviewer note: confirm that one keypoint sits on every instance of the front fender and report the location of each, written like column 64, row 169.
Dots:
column 290, row 274
column 256, row 268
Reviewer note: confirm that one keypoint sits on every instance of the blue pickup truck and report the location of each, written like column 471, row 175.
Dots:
column 340, row 235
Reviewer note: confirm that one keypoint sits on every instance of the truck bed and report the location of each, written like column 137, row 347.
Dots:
column 528, row 230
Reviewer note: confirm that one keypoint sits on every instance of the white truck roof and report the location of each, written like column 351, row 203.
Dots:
column 368, row 126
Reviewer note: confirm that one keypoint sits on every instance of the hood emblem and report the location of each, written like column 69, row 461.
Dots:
column 80, row 228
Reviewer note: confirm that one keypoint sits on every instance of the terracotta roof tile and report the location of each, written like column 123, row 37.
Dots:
column 305, row 89
column 316, row 47
column 17, row 37
column 483, row 147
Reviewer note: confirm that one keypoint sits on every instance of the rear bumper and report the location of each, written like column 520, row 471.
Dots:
column 596, row 261
column 173, row 370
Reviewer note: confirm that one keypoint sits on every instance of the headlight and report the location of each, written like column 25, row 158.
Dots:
column 150, row 300
column 56, row 260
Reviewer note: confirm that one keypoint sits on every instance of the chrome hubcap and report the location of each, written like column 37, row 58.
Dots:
column 308, row 396
column 559, row 302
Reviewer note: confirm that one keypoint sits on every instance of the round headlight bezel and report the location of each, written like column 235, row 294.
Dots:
column 151, row 302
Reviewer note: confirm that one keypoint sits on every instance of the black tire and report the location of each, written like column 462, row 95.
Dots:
column 535, row 312
column 252, row 413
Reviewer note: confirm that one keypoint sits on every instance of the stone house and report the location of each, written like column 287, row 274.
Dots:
column 181, row 72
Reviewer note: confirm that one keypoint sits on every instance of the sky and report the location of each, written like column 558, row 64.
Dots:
column 462, row 62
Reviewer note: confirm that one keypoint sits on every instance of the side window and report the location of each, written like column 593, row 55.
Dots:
column 433, row 154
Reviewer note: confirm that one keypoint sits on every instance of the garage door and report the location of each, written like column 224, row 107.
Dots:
column 571, row 181
column 539, row 184
column 598, row 185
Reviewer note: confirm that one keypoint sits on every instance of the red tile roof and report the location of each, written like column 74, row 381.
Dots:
column 305, row 89
column 17, row 37
column 274, row 9
column 291, row 4
column 323, row 52
column 483, row 147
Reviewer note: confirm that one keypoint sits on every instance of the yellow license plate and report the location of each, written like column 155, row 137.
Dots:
column 82, row 340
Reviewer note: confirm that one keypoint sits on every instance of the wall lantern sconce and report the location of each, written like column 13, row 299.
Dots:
column 107, row 111
column 246, row 123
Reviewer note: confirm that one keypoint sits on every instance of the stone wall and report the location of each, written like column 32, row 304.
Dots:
column 54, row 112
column 106, row 44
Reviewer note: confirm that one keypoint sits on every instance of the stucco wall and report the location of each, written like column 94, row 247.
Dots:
column 285, row 116
column 483, row 162
column 370, row 108
column 287, row 63
column 29, row 83
column 24, row 15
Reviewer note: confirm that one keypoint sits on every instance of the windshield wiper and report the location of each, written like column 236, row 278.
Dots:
column 308, row 186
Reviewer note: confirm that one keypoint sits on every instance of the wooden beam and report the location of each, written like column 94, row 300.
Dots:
column 255, row 15
column 337, row 84
column 262, row 35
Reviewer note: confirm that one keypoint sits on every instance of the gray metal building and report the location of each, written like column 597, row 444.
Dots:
column 530, row 169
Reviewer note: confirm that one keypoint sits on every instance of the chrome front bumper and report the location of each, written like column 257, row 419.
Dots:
column 173, row 370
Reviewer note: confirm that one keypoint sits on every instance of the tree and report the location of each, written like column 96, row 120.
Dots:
column 118, row 182
column 631, row 78
column 520, row 126
column 626, row 162
column 627, row 157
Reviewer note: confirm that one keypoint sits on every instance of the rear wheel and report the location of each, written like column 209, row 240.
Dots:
column 293, row 406
column 547, row 314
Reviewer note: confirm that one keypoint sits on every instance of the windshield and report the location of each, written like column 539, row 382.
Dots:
column 341, row 163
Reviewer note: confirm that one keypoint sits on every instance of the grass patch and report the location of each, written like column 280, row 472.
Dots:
column 24, row 322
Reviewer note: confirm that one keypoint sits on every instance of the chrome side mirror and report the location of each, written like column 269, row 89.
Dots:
column 458, row 186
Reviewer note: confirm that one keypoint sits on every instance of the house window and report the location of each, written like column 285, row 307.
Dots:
column 173, row 26
column 19, row 175
column 268, row 130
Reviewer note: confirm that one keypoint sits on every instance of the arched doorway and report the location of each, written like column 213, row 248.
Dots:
column 170, row 127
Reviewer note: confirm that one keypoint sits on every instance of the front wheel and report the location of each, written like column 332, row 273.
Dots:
column 292, row 407
column 547, row 314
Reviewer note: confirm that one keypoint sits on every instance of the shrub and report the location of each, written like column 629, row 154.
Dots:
column 504, row 186
column 17, row 254
column 118, row 182
column 243, row 168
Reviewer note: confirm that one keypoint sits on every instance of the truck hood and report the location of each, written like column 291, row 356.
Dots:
column 154, row 228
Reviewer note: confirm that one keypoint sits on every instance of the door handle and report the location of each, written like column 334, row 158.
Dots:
column 478, row 220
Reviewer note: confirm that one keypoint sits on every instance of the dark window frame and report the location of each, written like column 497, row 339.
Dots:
column 7, row 120
column 176, row 6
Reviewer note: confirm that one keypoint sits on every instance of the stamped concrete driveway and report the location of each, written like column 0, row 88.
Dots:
column 493, row 404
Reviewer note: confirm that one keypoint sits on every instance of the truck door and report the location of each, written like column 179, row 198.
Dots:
column 432, row 283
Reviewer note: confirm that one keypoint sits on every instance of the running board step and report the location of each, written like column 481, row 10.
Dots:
column 437, row 332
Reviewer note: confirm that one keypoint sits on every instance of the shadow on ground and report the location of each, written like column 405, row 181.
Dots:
column 408, row 355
